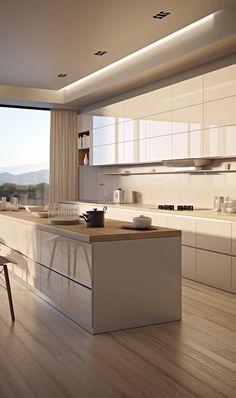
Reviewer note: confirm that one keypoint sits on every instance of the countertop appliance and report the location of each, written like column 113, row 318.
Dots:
column 119, row 196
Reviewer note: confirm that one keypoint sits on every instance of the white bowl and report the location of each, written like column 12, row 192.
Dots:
column 142, row 222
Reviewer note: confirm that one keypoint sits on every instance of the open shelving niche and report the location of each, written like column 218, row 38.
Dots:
column 83, row 146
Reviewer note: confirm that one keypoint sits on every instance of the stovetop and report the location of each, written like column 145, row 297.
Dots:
column 180, row 207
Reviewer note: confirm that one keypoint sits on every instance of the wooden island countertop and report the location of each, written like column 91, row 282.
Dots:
column 112, row 230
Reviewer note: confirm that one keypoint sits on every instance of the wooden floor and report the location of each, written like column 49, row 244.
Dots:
column 46, row 355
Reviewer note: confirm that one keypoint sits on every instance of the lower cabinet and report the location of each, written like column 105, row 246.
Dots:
column 189, row 262
column 214, row 269
column 77, row 302
column 33, row 274
column 234, row 274
column 51, row 285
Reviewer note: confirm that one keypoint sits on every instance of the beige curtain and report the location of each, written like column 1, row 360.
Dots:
column 63, row 156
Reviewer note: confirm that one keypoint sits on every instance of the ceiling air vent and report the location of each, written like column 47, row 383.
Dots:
column 161, row 14
column 100, row 53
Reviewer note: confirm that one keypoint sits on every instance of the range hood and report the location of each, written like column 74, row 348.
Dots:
column 196, row 162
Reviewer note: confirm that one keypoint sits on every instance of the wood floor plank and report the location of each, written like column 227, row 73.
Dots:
column 46, row 355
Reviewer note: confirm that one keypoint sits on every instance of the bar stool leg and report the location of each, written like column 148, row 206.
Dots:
column 8, row 286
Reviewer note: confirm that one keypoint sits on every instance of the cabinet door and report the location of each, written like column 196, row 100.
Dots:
column 187, row 226
column 33, row 244
column 214, row 235
column 234, row 274
column 233, row 238
column 220, row 113
column 187, row 119
column 158, row 124
column 220, row 83
column 158, row 148
column 180, row 146
column 158, row 101
column 134, row 107
column 189, row 262
column 104, row 135
column 188, row 92
column 127, row 147
column 77, row 303
column 214, row 269
column 32, row 277
column 188, row 145
column 105, row 154
column 19, row 265
column 51, row 285
column 14, row 235
column 77, row 260
column 214, row 142
column 50, row 254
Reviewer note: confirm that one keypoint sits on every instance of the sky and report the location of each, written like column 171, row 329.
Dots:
column 24, row 139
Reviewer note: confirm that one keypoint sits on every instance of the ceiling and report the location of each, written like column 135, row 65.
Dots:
column 41, row 39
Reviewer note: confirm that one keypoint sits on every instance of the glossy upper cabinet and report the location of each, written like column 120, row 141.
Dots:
column 159, row 101
column 194, row 118
column 104, row 145
column 220, row 83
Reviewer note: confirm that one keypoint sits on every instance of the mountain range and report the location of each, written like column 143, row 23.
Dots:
column 32, row 177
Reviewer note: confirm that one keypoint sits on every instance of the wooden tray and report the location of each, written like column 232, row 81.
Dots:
column 138, row 229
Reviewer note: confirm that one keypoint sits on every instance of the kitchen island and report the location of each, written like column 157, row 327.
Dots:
column 104, row 279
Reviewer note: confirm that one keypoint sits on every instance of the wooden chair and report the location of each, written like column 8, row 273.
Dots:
column 3, row 263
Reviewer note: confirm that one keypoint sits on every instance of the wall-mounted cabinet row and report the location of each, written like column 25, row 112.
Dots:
column 219, row 85
column 198, row 114
column 194, row 144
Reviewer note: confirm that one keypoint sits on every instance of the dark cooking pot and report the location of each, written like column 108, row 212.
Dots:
column 95, row 217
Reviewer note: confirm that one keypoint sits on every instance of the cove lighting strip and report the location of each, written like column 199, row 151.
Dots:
column 143, row 50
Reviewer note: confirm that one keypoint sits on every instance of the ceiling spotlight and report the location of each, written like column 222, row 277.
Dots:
column 161, row 14
column 62, row 75
column 100, row 52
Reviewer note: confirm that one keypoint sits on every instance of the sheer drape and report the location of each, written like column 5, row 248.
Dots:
column 63, row 156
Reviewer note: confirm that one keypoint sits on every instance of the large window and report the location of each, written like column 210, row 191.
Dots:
column 24, row 155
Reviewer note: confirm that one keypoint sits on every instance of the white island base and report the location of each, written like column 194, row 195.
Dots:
column 105, row 279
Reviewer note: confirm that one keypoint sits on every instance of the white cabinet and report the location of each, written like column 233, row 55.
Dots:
column 158, row 148
column 14, row 235
column 51, row 285
column 76, row 258
column 234, row 274
column 188, row 227
column 104, row 154
column 135, row 107
column 234, row 238
column 214, row 235
column 220, row 141
column 158, row 101
column 189, row 262
column 127, row 146
column 158, row 124
column 220, row 83
column 187, row 119
column 32, row 276
column 214, row 269
column 50, row 253
column 77, row 303
column 104, row 135
column 220, row 112
column 188, row 145
column 188, row 92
